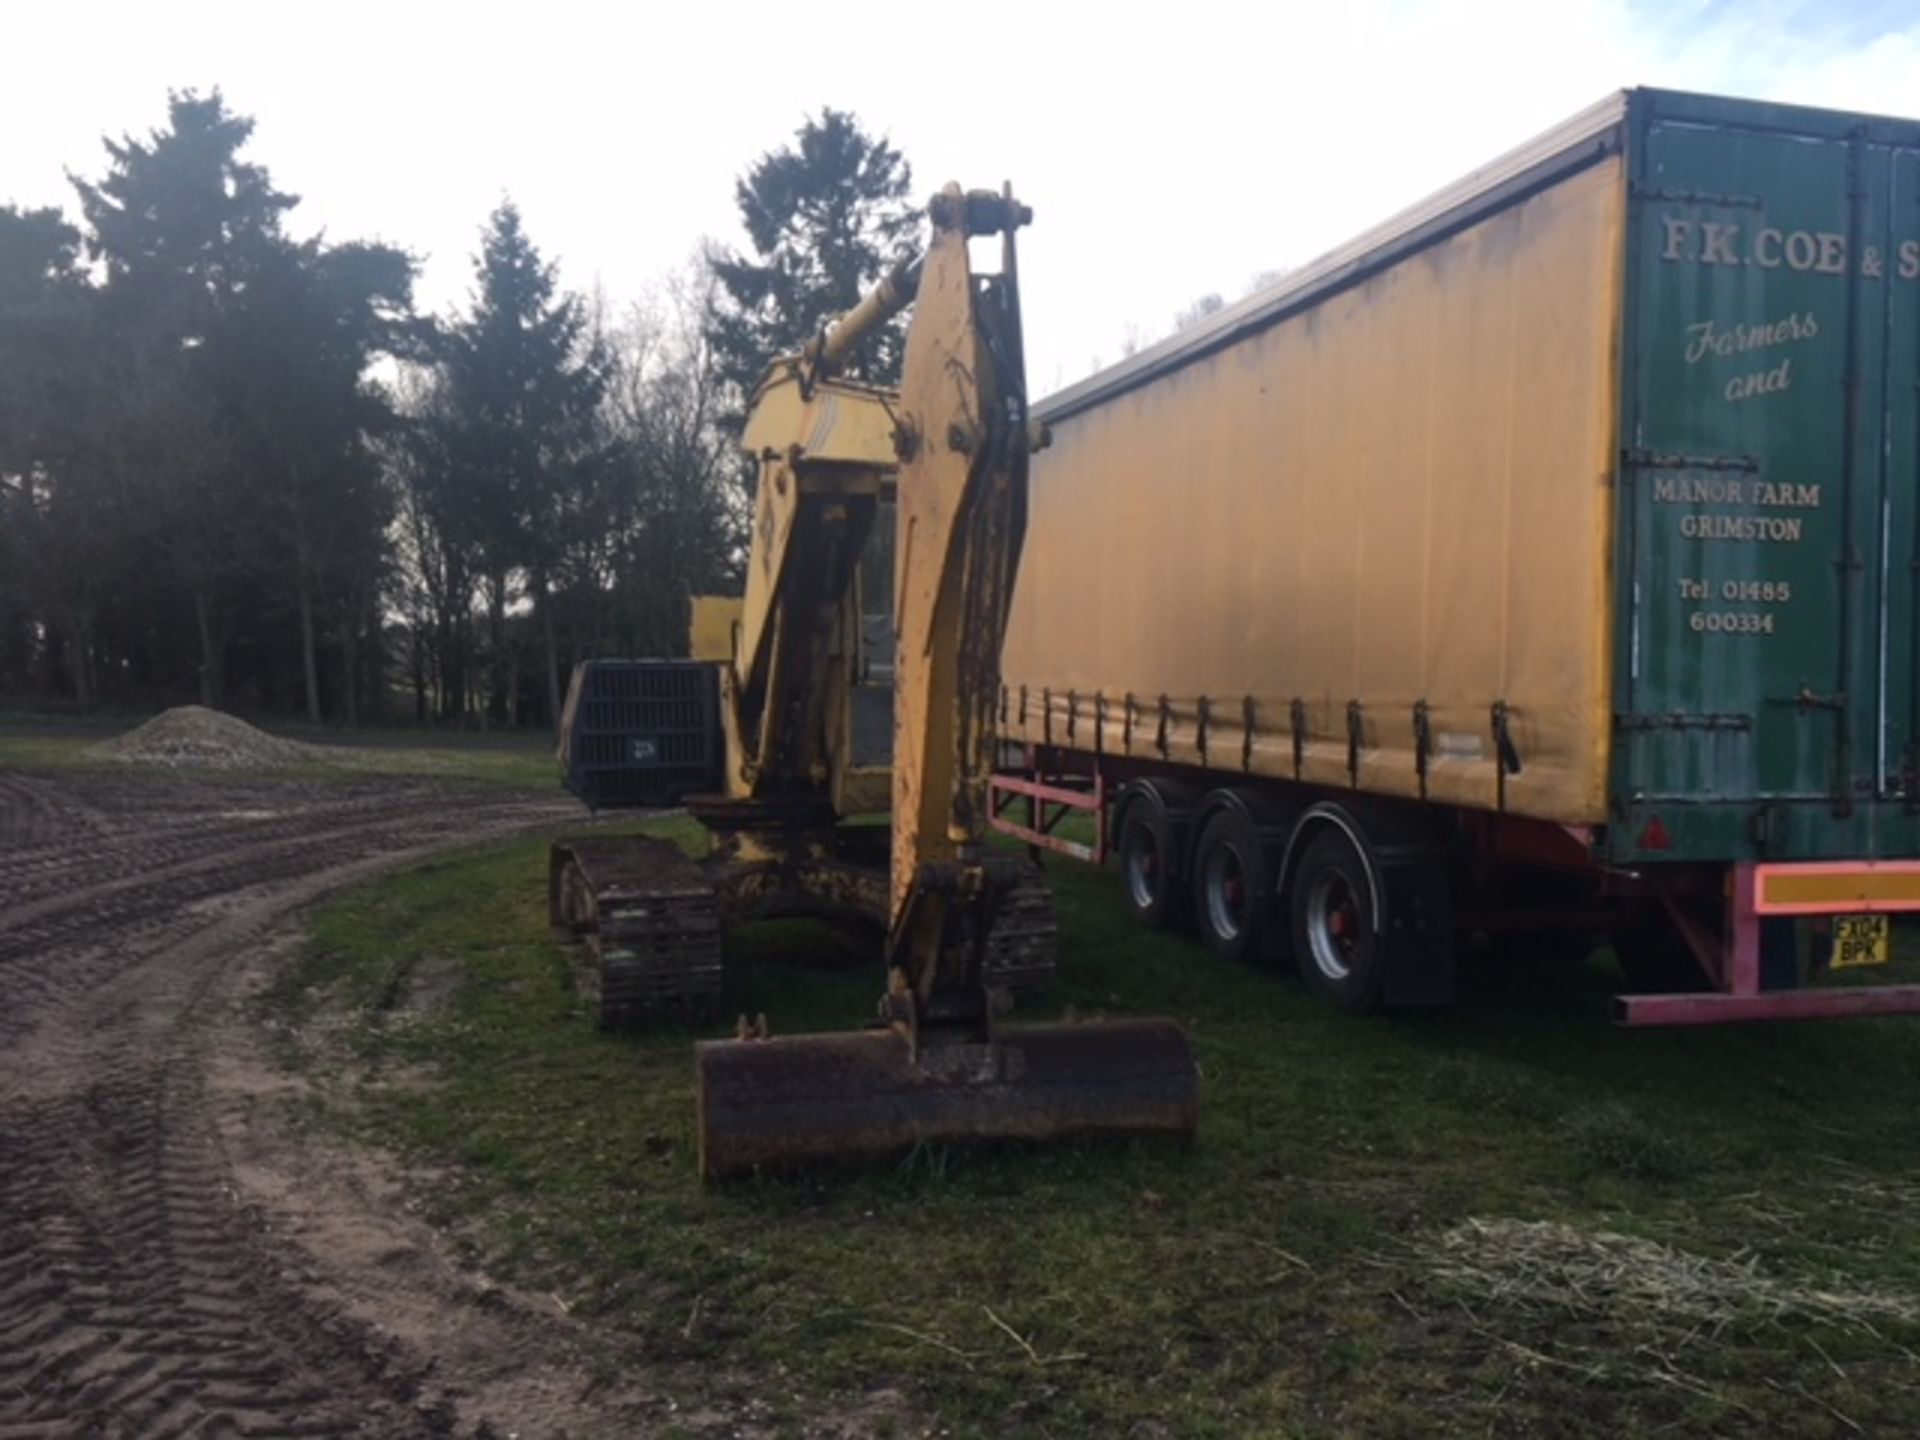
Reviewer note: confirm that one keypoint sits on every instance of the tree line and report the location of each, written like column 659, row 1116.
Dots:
column 242, row 467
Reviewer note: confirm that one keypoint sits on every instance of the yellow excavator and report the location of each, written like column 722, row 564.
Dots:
column 964, row 923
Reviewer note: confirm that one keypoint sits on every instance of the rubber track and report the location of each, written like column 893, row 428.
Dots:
column 1023, row 946
column 653, row 941
column 137, row 1297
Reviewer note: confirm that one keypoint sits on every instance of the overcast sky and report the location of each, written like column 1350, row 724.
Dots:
column 1169, row 150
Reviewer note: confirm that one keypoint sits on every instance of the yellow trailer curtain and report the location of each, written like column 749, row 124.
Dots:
column 1376, row 520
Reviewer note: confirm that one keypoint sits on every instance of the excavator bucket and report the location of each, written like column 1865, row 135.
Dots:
column 788, row 1102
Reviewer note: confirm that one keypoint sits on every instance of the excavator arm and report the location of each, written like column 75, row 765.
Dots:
column 935, row 1067
column 963, row 439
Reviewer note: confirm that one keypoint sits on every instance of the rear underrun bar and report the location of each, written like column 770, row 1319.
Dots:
column 1756, row 892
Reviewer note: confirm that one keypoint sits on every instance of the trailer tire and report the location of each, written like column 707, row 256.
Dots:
column 1335, row 941
column 1149, row 877
column 1232, row 885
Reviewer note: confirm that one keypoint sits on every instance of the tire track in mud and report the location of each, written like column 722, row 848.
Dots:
column 138, row 1294
column 102, row 929
column 138, row 842
column 29, row 815
column 126, row 881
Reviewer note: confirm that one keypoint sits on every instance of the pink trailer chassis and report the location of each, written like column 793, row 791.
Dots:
column 1722, row 914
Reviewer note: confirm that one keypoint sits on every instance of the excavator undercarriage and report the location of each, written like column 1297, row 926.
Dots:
column 652, row 922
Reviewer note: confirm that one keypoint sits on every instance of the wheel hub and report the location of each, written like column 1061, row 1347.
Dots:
column 1143, row 871
column 1226, row 894
column 1333, row 925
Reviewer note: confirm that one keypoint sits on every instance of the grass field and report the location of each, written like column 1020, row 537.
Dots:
column 1507, row 1219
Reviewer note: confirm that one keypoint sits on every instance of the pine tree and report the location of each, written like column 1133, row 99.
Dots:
column 53, row 508
column 231, row 383
column 182, row 226
column 827, row 216
column 523, row 385
column 292, row 358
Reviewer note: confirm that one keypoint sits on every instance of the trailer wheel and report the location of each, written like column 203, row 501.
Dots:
column 1232, row 885
column 1335, row 943
column 1148, row 867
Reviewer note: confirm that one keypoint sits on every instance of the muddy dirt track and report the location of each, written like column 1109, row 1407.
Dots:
column 157, row 1265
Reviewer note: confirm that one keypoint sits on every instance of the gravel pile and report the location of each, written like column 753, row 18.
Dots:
column 192, row 736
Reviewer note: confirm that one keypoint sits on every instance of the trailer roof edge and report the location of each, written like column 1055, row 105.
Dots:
column 1568, row 145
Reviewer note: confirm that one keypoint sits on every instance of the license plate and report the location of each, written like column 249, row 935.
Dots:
column 1860, row 940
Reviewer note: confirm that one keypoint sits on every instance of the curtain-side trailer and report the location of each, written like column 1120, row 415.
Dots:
column 1545, row 560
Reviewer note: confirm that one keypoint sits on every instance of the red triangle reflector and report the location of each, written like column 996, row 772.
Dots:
column 1655, row 836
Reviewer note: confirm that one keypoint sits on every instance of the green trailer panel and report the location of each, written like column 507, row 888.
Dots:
column 1765, row 673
